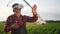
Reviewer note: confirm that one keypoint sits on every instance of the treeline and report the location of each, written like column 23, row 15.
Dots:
column 2, row 21
column 51, row 21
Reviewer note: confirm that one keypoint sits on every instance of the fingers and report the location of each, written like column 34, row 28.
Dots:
column 35, row 6
column 13, row 25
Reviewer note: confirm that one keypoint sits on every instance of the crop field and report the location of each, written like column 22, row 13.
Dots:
column 49, row 28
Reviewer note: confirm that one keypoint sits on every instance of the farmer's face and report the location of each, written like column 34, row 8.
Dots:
column 17, row 11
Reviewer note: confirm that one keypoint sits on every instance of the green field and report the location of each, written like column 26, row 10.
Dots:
column 49, row 28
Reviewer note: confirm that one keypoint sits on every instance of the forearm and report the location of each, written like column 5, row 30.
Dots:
column 33, row 18
column 7, row 25
column 6, row 29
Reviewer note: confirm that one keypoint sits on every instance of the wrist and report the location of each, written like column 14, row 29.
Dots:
column 35, row 13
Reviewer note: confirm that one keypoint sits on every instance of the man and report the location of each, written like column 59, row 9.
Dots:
column 16, row 23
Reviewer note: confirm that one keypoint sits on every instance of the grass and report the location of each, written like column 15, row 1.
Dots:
column 49, row 28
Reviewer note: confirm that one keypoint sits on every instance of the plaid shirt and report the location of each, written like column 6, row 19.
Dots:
column 19, row 20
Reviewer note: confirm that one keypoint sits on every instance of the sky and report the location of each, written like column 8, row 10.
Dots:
column 46, row 9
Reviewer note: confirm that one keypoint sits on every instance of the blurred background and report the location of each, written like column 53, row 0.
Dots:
column 47, row 9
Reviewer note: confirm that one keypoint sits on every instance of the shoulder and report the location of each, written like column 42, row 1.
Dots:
column 10, row 16
column 24, row 16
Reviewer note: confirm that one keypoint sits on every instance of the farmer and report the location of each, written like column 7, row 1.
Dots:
column 16, row 23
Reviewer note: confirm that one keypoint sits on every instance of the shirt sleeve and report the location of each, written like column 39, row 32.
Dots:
column 7, row 24
column 32, row 19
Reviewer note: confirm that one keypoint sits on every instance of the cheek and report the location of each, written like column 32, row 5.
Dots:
column 17, row 12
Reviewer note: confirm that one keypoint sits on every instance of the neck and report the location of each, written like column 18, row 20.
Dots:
column 17, row 15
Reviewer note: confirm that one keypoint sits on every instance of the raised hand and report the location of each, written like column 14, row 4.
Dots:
column 34, row 9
